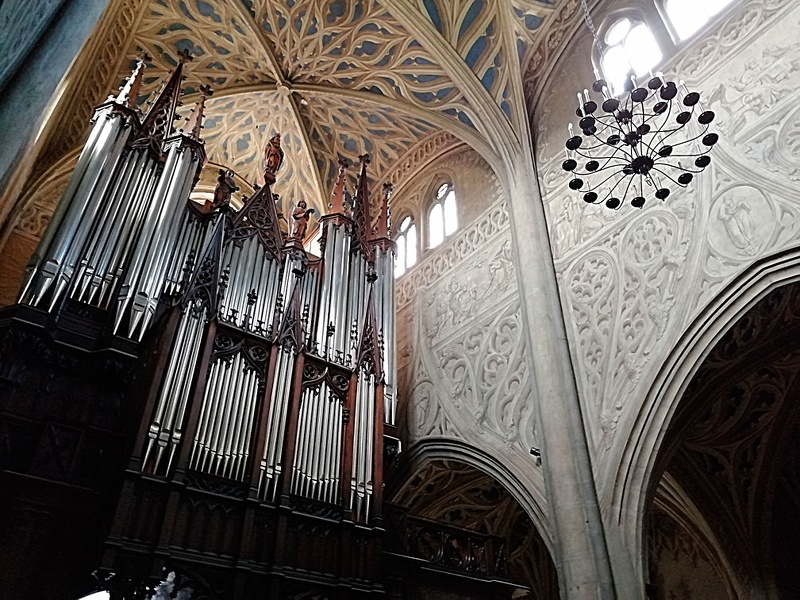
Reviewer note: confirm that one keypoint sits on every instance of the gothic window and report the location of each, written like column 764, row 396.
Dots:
column 688, row 16
column 629, row 49
column 406, row 247
column 443, row 215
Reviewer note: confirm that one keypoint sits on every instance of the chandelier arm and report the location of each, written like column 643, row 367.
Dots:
column 589, row 148
column 680, row 168
column 599, row 185
column 661, row 129
column 669, row 177
column 616, row 148
column 615, row 125
column 703, row 153
column 617, row 166
column 682, row 127
column 690, row 140
column 627, row 187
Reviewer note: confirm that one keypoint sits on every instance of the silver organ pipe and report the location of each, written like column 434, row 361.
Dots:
column 270, row 467
column 384, row 287
column 145, row 277
column 260, row 343
column 64, row 240
column 164, row 432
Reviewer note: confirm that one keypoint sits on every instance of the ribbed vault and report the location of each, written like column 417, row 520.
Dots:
column 338, row 78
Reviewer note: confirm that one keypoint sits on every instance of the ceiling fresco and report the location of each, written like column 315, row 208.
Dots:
column 340, row 78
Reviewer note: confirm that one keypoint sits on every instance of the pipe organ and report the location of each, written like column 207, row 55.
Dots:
column 184, row 387
column 270, row 372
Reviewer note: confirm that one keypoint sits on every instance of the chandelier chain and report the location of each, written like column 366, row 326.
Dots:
column 589, row 23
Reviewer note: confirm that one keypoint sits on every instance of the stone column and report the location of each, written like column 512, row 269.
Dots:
column 582, row 557
column 29, row 82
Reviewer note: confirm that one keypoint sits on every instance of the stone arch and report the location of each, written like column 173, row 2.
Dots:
column 452, row 449
column 638, row 474
column 473, row 476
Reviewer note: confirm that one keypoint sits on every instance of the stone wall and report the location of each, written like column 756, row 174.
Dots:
column 634, row 282
column 462, row 357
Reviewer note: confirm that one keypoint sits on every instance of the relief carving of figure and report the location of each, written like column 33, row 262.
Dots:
column 735, row 215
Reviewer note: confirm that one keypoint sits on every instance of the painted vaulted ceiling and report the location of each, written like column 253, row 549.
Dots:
column 338, row 78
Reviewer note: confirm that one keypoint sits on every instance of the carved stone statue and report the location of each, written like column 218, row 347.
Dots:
column 273, row 158
column 300, row 216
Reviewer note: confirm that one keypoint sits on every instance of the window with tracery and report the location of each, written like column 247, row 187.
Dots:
column 688, row 16
column 406, row 247
column 630, row 49
column 443, row 215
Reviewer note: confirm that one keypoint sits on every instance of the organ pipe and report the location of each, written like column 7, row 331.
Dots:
column 279, row 367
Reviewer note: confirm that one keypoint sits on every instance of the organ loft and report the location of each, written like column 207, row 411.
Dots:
column 196, row 406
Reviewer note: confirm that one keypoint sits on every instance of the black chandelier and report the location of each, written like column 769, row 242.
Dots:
column 642, row 142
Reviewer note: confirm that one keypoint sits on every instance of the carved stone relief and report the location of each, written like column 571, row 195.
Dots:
column 463, row 360
column 453, row 493
column 631, row 281
column 681, row 568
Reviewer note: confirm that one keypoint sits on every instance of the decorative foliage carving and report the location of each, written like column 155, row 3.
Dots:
column 471, row 27
column 453, row 493
column 418, row 156
column 469, row 368
column 489, row 225
column 225, row 53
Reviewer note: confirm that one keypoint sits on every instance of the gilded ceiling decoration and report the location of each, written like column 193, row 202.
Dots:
column 215, row 33
column 339, row 126
column 235, row 128
column 380, row 76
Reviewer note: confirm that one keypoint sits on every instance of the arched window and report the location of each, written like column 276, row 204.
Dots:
column 688, row 16
column 406, row 247
column 443, row 215
column 630, row 49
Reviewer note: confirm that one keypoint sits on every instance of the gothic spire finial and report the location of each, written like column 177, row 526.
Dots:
column 337, row 203
column 361, row 214
column 383, row 227
column 185, row 56
column 129, row 92
column 194, row 122
column 157, row 123
column 273, row 158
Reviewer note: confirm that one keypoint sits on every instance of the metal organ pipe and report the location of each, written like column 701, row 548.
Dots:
column 67, row 250
column 165, row 428
column 276, row 425
column 145, row 278
column 122, row 239
column 384, row 286
column 108, row 131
